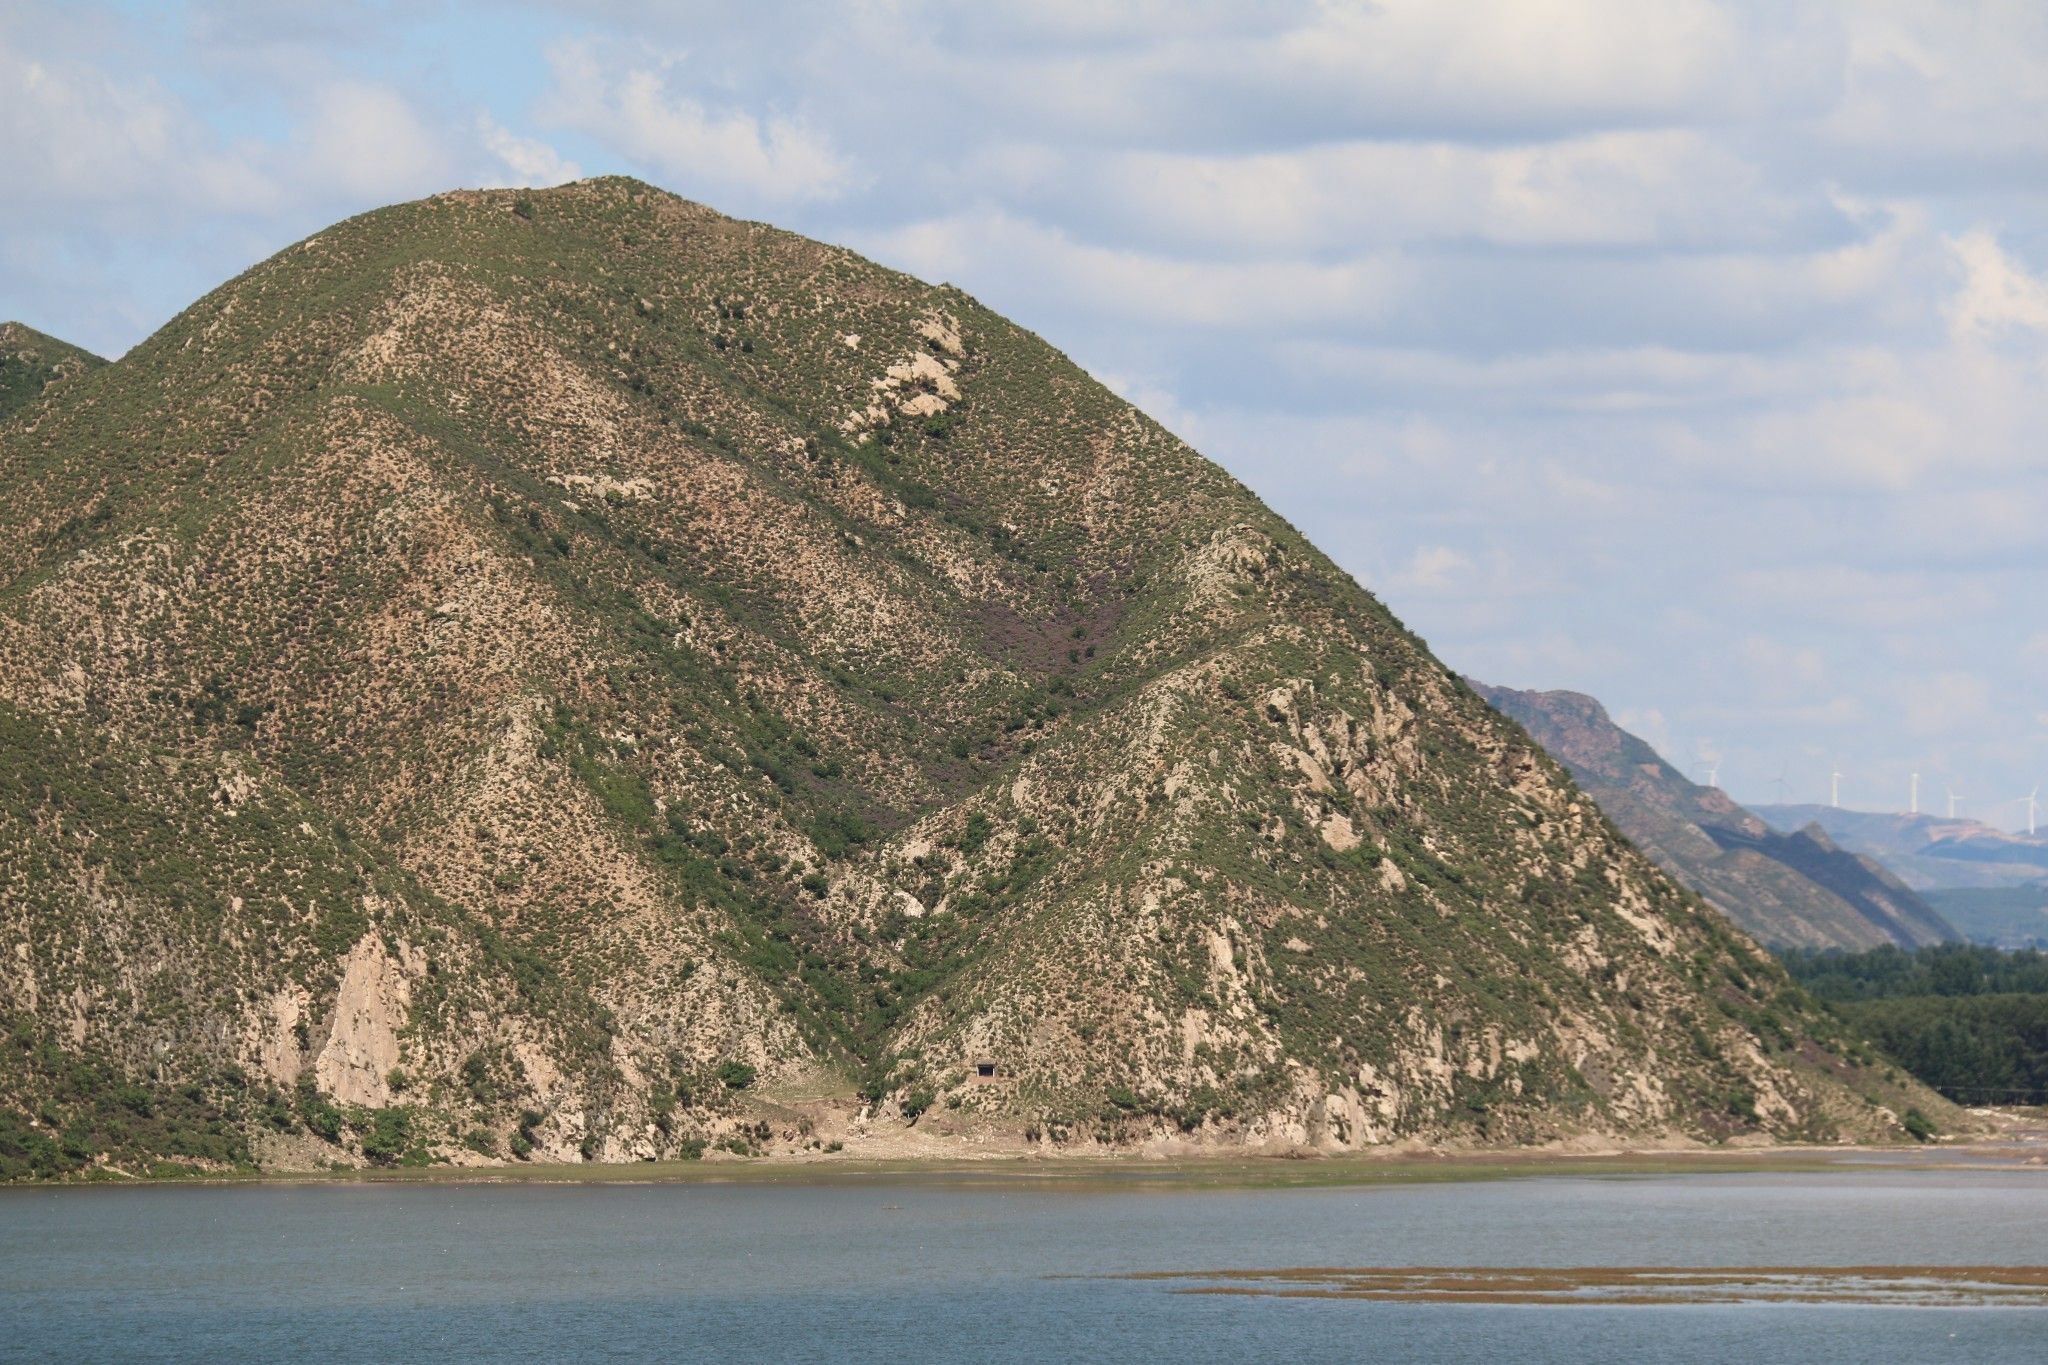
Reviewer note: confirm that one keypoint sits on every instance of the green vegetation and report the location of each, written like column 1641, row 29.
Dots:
column 1948, row 969
column 563, row 643
column 30, row 362
column 1970, row 1021
column 88, row 1113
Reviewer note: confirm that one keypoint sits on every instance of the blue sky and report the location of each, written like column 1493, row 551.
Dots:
column 1691, row 354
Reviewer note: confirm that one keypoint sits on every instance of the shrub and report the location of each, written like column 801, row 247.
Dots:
column 317, row 1112
column 388, row 1135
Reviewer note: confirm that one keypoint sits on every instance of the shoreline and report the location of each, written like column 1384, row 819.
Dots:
column 1137, row 1172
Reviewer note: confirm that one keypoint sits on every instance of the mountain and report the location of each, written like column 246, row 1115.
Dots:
column 30, row 362
column 1927, row 852
column 1793, row 889
column 1998, row 916
column 567, row 674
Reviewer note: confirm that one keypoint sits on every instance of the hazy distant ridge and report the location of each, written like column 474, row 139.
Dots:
column 1791, row 888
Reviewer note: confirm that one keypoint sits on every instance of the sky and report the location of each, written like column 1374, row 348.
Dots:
column 1690, row 354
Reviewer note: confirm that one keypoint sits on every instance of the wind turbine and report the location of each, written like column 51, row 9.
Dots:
column 1835, row 789
column 1913, row 808
column 1779, row 783
column 1952, row 803
column 2031, row 798
column 1714, row 773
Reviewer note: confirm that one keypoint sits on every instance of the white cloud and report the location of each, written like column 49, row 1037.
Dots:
column 1998, row 295
column 1430, row 569
column 1666, row 187
column 139, row 158
column 636, row 111
column 74, row 139
column 1399, row 67
column 369, row 144
column 1810, row 588
column 1946, row 703
column 996, row 249
column 1943, row 91
column 525, row 161
column 1782, row 670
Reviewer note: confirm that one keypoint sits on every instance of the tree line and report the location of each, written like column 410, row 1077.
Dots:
column 1969, row 1021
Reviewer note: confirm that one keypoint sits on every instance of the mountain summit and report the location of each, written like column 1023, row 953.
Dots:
column 30, row 362
column 570, row 674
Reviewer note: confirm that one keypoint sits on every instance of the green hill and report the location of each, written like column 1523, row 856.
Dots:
column 30, row 362
column 570, row 674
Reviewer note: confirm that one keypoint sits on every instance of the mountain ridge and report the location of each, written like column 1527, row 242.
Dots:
column 1929, row 852
column 566, row 673
column 1788, row 888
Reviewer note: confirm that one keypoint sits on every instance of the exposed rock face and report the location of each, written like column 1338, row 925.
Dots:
column 1795, row 889
column 660, row 683
column 371, row 1004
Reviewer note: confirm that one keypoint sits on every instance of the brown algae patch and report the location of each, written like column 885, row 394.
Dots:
column 1924, row 1286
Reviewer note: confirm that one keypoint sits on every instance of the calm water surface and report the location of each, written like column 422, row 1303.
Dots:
column 954, row 1270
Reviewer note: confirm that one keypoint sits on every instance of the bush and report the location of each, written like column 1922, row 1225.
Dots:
column 736, row 1075
column 388, row 1135
column 522, row 1138
column 976, row 834
column 317, row 1112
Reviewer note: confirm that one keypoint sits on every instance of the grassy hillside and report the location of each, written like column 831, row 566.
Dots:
column 569, row 674
column 30, row 362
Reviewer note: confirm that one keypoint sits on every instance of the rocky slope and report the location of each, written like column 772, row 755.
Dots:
column 572, row 675
column 1792, row 888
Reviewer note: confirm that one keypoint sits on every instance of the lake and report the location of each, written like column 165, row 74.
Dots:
column 954, row 1267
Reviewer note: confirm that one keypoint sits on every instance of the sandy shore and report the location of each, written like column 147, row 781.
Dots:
column 2020, row 1148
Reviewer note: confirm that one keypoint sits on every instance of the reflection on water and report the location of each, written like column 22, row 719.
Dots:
column 940, row 1268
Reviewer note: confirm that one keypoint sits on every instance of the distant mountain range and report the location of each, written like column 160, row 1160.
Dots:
column 1990, row 883
column 1789, row 886
column 1928, row 852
